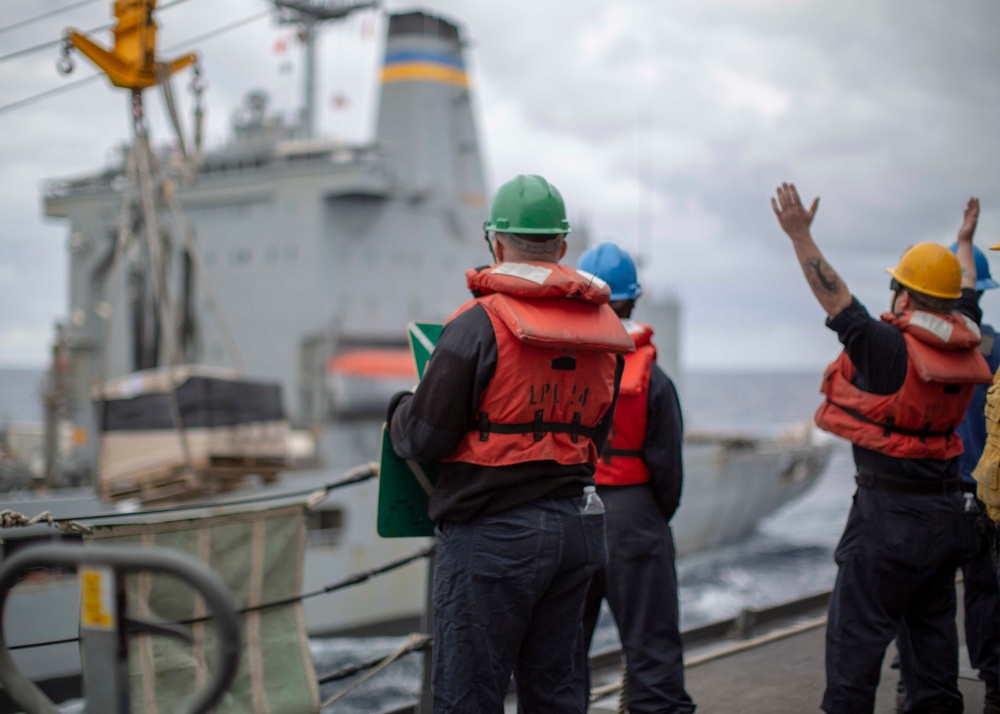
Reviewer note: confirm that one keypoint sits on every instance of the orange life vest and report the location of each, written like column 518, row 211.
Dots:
column 621, row 461
column 919, row 420
column 554, row 379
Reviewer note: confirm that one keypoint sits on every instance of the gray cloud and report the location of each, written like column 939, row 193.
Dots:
column 666, row 125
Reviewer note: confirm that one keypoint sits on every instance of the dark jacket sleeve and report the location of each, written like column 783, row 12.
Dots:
column 877, row 349
column 428, row 424
column 664, row 436
column 603, row 428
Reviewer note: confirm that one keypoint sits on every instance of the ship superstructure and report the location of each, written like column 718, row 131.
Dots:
column 311, row 247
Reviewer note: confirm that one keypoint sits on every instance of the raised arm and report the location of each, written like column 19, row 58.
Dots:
column 965, row 257
column 827, row 286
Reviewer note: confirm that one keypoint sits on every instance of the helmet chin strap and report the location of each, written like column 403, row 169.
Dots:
column 489, row 244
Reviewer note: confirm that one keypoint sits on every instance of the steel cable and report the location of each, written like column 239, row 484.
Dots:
column 333, row 587
column 44, row 15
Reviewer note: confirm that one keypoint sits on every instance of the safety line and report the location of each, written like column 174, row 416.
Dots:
column 73, row 85
column 50, row 13
column 358, row 474
column 54, row 43
column 333, row 587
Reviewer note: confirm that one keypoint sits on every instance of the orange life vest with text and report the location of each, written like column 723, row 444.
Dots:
column 555, row 374
column 919, row 420
column 621, row 461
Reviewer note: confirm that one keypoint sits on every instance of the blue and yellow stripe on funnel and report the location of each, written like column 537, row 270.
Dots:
column 422, row 66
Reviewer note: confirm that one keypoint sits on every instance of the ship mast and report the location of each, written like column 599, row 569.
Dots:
column 309, row 15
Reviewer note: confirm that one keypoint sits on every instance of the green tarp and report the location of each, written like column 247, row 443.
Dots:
column 259, row 555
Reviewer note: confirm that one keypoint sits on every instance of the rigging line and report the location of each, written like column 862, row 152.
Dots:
column 55, row 43
column 355, row 475
column 219, row 30
column 402, row 650
column 418, row 645
column 340, row 585
column 50, row 92
column 73, row 85
column 50, row 13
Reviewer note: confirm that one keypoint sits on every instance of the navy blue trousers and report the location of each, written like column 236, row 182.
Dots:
column 897, row 560
column 640, row 585
column 508, row 598
column 982, row 630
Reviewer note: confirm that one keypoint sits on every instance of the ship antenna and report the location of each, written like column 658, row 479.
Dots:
column 309, row 15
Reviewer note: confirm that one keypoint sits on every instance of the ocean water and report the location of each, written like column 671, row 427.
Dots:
column 790, row 554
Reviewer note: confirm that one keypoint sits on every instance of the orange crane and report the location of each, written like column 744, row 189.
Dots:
column 131, row 63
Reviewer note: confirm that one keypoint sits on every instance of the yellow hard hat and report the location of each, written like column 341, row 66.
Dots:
column 930, row 269
column 995, row 246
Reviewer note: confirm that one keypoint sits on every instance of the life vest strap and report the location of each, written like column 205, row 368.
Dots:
column 890, row 427
column 538, row 427
column 610, row 452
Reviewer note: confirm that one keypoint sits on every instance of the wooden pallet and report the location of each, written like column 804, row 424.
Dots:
column 178, row 483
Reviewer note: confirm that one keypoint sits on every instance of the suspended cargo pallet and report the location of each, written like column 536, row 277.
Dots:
column 170, row 434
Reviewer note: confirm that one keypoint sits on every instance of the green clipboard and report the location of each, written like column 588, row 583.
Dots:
column 403, row 486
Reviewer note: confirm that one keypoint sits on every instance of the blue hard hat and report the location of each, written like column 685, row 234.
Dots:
column 615, row 267
column 984, row 281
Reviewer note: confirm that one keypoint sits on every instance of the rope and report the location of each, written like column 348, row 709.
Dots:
column 173, row 203
column 352, row 669
column 346, row 582
column 160, row 269
column 112, row 282
column 412, row 641
column 358, row 474
column 623, row 694
column 13, row 519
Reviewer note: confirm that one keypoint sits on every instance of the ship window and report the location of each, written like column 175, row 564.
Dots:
column 291, row 253
column 242, row 256
column 325, row 526
column 272, row 255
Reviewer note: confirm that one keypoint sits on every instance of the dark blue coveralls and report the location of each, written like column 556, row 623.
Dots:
column 514, row 551
column 640, row 579
column 982, row 595
column 899, row 550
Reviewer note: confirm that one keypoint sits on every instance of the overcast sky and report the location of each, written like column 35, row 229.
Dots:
column 665, row 124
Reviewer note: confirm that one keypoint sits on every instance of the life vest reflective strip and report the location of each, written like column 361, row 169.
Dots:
column 919, row 420
column 555, row 372
column 621, row 461
column 543, row 316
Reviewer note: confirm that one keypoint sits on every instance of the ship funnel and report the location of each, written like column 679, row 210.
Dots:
column 425, row 120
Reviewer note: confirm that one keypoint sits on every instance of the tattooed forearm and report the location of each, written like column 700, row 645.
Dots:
column 816, row 271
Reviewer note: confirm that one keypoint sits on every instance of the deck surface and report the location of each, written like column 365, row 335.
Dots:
column 785, row 675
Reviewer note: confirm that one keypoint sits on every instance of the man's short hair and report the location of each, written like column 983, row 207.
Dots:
column 543, row 244
column 930, row 303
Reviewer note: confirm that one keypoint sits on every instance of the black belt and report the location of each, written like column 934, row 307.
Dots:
column 969, row 487
column 881, row 482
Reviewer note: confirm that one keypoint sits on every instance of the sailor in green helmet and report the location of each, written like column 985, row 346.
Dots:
column 515, row 404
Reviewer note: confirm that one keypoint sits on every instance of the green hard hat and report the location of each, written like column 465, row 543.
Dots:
column 528, row 204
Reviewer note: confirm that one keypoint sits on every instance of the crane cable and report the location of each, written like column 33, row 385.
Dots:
column 85, row 80
column 44, row 15
column 53, row 43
